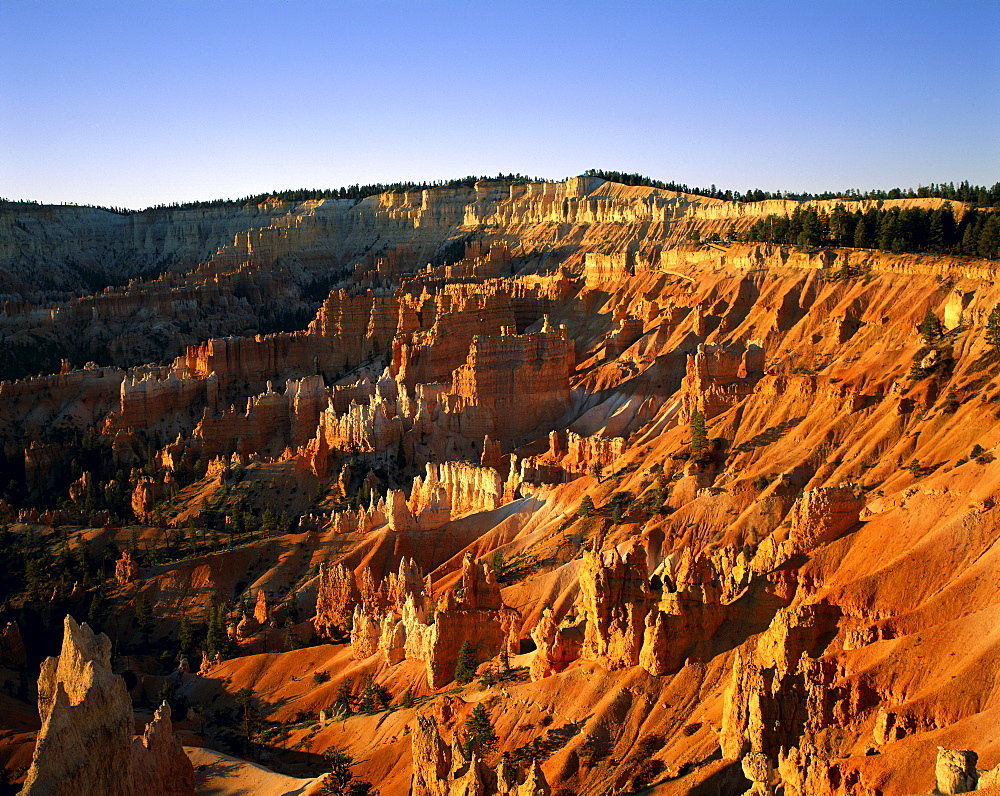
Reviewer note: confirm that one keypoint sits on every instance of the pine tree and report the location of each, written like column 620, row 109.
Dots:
column 951, row 402
column 497, row 565
column 970, row 239
column 185, row 636
column 662, row 489
column 844, row 272
column 930, row 328
column 481, row 738
column 166, row 693
column 340, row 781
column 96, row 610
column 400, row 456
column 586, row 507
column 269, row 522
column 382, row 695
column 175, row 543
column 32, row 580
column 936, row 232
column 949, row 227
column 861, row 235
column 699, row 435
column 989, row 237
column 367, row 703
column 143, row 615
column 465, row 668
column 340, row 770
column 344, row 696
column 993, row 327
column 217, row 639
column 251, row 714
column 284, row 523
column 292, row 606
column 374, row 697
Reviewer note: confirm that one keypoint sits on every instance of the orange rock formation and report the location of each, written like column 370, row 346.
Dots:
column 439, row 770
column 484, row 435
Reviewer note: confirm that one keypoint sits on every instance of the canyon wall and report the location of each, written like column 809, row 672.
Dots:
column 464, row 414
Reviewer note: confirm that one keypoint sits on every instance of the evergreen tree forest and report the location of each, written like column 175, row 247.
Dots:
column 964, row 192
column 914, row 229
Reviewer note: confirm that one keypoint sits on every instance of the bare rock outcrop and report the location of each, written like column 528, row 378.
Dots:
column 688, row 614
column 335, row 600
column 557, row 644
column 488, row 630
column 261, row 610
column 621, row 625
column 451, row 375
column 126, row 569
column 396, row 621
column 808, row 771
column 12, row 651
column 431, row 759
column 85, row 745
column 955, row 771
column 614, row 598
column 780, row 696
column 654, row 655
column 822, row 514
column 459, row 487
column 758, row 769
column 397, row 587
column 159, row 764
column 499, row 371
column 989, row 778
column 440, row 770
column 579, row 454
column 718, row 378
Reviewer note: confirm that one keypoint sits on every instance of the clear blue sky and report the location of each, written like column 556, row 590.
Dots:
column 134, row 103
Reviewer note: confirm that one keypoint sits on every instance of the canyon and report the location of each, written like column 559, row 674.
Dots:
column 704, row 517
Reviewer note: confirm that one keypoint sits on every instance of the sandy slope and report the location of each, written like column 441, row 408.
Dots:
column 221, row 775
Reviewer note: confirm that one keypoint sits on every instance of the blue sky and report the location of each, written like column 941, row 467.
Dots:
column 138, row 103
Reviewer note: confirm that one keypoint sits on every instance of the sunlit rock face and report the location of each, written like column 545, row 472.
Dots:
column 85, row 745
